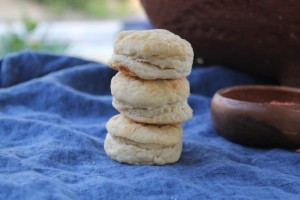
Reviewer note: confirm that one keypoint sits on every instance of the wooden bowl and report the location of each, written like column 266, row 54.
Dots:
column 260, row 116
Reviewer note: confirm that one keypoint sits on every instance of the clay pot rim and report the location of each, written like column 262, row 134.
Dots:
column 223, row 94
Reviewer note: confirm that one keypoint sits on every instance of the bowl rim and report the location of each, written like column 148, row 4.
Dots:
column 220, row 93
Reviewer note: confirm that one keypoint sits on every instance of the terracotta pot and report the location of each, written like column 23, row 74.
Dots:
column 261, row 37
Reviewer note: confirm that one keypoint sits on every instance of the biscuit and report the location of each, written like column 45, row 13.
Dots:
column 156, row 102
column 152, row 54
column 136, row 143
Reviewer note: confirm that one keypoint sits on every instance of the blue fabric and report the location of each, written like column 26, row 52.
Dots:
column 53, row 111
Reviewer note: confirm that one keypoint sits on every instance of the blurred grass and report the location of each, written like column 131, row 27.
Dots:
column 93, row 8
column 13, row 41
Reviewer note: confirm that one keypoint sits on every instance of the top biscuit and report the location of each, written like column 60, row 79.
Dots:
column 152, row 54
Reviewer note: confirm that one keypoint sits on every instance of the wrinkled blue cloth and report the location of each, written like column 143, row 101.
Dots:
column 53, row 111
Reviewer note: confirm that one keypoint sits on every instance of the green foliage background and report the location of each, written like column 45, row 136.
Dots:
column 96, row 8
column 12, row 41
column 99, row 9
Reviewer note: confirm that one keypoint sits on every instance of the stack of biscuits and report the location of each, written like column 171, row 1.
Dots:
column 150, row 91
